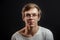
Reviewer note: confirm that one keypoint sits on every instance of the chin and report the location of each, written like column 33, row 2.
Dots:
column 32, row 25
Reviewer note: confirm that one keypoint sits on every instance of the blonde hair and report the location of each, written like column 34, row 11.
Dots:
column 28, row 6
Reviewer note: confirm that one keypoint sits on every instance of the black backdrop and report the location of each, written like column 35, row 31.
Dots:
column 11, row 21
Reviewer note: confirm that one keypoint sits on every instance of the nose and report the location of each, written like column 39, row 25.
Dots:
column 31, row 16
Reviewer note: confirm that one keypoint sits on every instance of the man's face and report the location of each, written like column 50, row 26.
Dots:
column 31, row 17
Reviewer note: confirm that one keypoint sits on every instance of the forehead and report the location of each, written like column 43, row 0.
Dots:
column 32, row 10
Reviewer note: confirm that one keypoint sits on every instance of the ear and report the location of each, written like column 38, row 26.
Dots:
column 39, row 17
column 23, row 18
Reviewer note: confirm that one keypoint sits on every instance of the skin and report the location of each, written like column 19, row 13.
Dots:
column 31, row 23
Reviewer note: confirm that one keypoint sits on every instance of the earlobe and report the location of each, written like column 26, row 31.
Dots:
column 22, row 18
column 39, row 18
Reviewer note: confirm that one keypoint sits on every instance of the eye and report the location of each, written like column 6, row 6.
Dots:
column 27, row 15
column 34, row 14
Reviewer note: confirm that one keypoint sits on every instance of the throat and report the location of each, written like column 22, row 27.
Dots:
column 33, row 30
column 29, row 31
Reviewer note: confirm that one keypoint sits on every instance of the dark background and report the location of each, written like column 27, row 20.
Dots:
column 11, row 21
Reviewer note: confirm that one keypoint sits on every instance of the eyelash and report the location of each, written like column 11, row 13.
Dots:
column 28, row 15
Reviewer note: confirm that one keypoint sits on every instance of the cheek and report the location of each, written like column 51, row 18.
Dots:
column 25, row 19
column 36, row 18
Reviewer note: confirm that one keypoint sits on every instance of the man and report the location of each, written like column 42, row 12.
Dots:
column 31, row 14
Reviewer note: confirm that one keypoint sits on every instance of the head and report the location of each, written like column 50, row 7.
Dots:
column 31, row 14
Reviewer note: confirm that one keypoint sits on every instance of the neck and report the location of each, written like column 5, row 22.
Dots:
column 32, row 30
column 28, row 31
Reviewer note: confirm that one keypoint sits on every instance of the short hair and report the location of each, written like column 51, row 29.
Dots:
column 28, row 6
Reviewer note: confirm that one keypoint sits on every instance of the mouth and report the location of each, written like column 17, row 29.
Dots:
column 30, row 22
